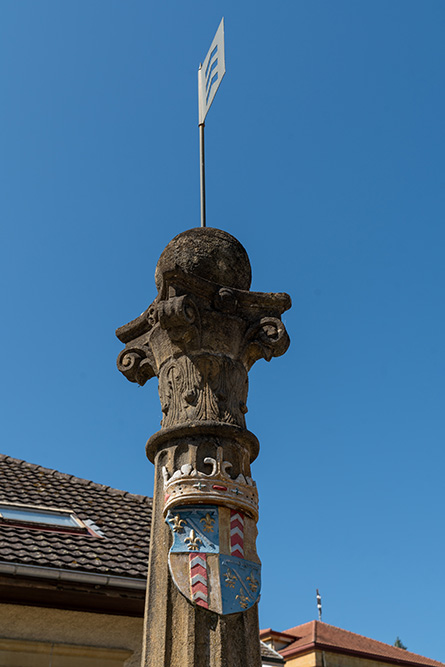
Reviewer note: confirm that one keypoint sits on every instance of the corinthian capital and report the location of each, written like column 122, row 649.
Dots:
column 204, row 330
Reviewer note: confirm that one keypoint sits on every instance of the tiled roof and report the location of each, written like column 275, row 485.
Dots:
column 124, row 519
column 270, row 655
column 316, row 634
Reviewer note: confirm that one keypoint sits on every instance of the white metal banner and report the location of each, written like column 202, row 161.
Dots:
column 211, row 72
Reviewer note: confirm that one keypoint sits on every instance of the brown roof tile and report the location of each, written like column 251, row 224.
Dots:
column 124, row 518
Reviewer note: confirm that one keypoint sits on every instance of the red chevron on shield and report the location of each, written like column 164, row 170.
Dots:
column 236, row 534
column 199, row 587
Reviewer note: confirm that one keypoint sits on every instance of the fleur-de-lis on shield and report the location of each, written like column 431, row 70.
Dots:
column 193, row 541
column 243, row 599
column 208, row 522
column 230, row 578
column 177, row 524
column 253, row 583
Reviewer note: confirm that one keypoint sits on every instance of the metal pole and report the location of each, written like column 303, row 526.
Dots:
column 202, row 174
column 319, row 605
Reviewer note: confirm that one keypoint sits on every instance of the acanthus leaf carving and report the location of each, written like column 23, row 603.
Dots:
column 203, row 388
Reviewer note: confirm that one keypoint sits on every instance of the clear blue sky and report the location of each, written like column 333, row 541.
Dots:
column 325, row 156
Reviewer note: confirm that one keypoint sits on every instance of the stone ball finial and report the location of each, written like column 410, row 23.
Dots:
column 209, row 253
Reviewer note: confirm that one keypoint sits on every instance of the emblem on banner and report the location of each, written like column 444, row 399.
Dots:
column 213, row 560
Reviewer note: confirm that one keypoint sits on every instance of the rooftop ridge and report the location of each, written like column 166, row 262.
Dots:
column 78, row 480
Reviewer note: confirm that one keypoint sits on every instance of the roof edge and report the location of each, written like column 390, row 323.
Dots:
column 268, row 632
column 58, row 574
column 319, row 646
column 269, row 648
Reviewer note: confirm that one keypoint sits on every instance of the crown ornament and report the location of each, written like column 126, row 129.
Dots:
column 189, row 486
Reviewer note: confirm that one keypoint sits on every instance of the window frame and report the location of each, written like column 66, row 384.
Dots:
column 81, row 528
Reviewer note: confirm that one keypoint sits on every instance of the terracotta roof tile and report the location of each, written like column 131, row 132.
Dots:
column 321, row 635
column 124, row 519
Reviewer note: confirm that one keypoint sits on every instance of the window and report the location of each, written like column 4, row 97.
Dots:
column 45, row 518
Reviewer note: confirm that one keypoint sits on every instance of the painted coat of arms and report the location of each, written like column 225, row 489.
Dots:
column 207, row 559
column 213, row 559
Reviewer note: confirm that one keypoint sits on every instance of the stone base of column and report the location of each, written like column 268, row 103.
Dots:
column 184, row 635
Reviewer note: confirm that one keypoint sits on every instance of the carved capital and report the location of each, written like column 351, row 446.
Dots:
column 204, row 331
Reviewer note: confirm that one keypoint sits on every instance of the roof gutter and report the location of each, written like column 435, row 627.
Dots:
column 58, row 574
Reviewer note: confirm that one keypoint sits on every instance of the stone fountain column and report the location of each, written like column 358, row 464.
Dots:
column 199, row 337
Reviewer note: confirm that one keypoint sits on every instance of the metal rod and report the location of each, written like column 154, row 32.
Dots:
column 202, row 174
column 319, row 604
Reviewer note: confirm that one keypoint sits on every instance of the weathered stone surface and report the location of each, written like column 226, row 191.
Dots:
column 178, row 633
column 207, row 253
column 200, row 337
column 203, row 387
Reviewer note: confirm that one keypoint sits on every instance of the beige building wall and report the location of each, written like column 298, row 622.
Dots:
column 328, row 659
column 303, row 660
column 42, row 637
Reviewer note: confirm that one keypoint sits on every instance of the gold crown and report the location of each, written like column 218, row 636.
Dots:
column 188, row 486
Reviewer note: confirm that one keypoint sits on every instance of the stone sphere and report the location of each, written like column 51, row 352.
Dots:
column 207, row 253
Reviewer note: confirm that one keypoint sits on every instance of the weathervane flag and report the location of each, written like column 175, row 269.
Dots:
column 210, row 75
column 211, row 72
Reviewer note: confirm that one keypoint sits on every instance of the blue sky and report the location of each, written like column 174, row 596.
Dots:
column 325, row 158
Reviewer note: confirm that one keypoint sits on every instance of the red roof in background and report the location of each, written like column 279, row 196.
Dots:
column 318, row 635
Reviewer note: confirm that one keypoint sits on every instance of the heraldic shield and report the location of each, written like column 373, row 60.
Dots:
column 213, row 559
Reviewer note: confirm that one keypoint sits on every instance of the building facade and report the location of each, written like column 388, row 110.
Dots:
column 73, row 568
column 317, row 644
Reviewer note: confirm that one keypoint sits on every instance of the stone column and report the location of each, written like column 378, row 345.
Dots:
column 200, row 336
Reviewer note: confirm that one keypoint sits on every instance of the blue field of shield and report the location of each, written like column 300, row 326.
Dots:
column 194, row 529
column 240, row 583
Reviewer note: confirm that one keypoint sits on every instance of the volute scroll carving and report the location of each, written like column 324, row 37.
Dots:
column 265, row 339
column 179, row 316
column 137, row 364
